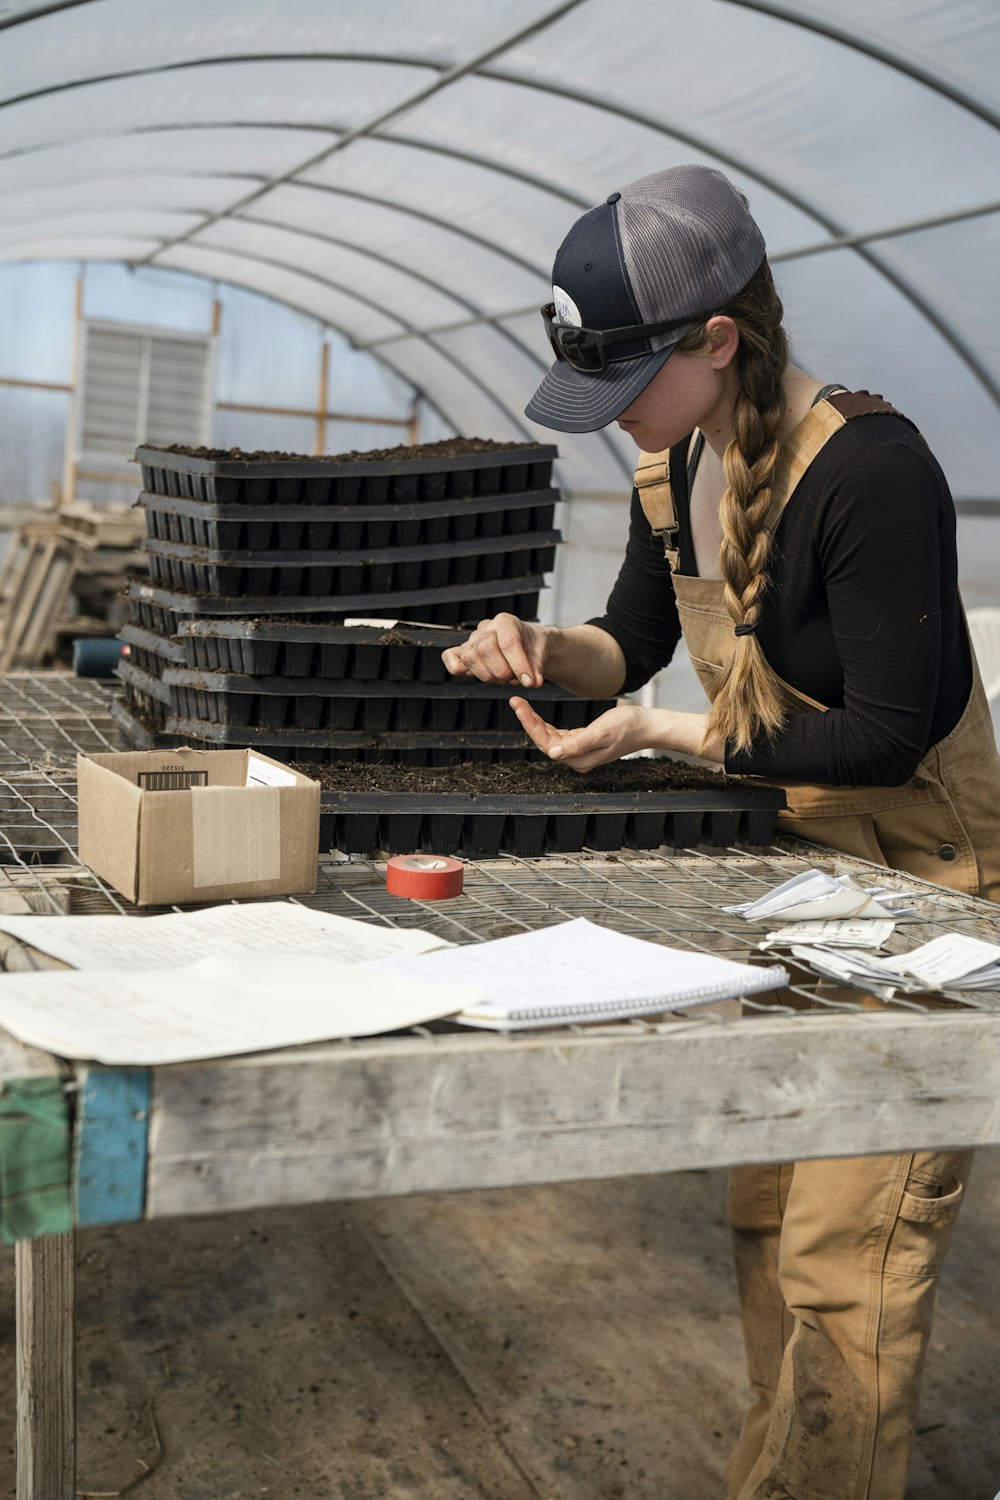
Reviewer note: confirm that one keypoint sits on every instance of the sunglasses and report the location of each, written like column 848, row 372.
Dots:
column 584, row 348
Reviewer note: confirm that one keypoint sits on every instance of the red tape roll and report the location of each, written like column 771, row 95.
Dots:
column 424, row 877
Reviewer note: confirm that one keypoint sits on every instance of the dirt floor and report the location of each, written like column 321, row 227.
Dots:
column 577, row 1342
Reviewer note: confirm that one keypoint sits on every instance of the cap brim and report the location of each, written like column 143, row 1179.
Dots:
column 570, row 401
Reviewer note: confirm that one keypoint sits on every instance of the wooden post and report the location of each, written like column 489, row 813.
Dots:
column 323, row 398
column 413, row 425
column 69, row 463
column 46, row 1386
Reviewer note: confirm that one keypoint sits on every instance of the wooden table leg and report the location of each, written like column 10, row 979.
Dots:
column 46, row 1370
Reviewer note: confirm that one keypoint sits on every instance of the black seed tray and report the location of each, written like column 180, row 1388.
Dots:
column 358, row 823
column 141, row 728
column 455, row 605
column 330, row 574
column 142, row 724
column 288, row 702
column 150, row 651
column 305, row 481
column 144, row 688
column 416, row 747
column 262, row 648
column 260, row 528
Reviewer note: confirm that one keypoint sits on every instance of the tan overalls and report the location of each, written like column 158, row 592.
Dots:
column 837, row 1260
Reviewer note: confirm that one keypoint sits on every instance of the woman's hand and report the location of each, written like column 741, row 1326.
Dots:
column 620, row 731
column 504, row 649
column 614, row 734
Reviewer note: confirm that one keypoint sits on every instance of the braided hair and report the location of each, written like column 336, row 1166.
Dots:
column 747, row 702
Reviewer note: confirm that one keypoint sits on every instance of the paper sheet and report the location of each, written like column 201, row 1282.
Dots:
column 863, row 932
column 182, row 937
column 218, row 1007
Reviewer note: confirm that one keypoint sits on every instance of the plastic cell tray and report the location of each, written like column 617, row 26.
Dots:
column 327, row 575
column 144, row 688
column 263, row 528
column 345, row 703
column 151, row 651
column 409, row 748
column 336, row 481
column 265, row 648
column 483, row 826
column 455, row 605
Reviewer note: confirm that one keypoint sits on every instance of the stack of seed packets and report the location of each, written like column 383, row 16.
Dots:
column 954, row 962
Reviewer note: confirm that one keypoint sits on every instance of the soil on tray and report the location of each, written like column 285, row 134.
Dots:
column 446, row 448
column 519, row 778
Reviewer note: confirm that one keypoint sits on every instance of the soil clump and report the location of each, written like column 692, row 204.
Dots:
column 445, row 448
column 528, row 778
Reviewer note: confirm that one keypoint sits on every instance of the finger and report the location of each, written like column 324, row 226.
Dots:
column 544, row 735
column 453, row 662
column 510, row 640
column 493, row 660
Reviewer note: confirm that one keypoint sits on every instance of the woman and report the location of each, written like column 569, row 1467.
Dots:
column 802, row 538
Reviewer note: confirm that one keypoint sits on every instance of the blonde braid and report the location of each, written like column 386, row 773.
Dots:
column 748, row 701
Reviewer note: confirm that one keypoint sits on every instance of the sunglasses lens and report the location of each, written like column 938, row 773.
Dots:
column 580, row 349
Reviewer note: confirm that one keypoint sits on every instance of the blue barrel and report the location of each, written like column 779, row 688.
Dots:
column 96, row 657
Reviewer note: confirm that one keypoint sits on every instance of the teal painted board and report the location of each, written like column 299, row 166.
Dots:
column 110, row 1154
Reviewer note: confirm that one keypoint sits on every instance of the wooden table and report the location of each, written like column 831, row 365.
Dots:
column 438, row 1109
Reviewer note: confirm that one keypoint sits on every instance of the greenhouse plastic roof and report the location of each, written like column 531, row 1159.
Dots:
column 403, row 172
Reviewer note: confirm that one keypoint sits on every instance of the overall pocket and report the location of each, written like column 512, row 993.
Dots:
column 928, row 1208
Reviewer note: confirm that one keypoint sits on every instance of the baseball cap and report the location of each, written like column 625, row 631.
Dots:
column 671, row 248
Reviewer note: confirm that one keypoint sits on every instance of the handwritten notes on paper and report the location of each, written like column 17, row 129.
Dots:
column 182, row 937
column 217, row 1007
column 229, row 979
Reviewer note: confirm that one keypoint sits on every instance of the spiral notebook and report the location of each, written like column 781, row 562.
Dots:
column 576, row 971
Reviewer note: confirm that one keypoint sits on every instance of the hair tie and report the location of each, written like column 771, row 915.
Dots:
column 746, row 629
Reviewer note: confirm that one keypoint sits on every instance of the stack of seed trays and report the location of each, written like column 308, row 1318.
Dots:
column 448, row 534
column 328, row 531
column 316, row 691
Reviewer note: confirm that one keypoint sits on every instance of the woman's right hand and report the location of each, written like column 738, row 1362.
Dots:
column 504, row 649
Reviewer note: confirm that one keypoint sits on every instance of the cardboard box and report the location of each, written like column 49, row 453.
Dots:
column 170, row 826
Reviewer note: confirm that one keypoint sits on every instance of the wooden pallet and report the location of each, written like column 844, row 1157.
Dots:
column 86, row 551
column 35, row 580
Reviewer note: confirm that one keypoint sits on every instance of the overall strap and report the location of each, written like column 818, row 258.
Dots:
column 656, row 496
column 827, row 415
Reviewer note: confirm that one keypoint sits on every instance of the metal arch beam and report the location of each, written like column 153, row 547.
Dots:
column 963, row 352
column 41, row 11
column 709, row 148
column 433, row 148
column 778, row 12
column 386, row 116
column 816, row 23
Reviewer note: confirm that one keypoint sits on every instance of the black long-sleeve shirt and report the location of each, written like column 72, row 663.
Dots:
column 862, row 610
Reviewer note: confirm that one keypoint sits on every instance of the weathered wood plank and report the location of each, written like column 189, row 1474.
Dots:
column 399, row 1116
column 46, row 1387
column 19, row 1061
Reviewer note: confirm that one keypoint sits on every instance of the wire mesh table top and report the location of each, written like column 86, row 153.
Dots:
column 672, row 897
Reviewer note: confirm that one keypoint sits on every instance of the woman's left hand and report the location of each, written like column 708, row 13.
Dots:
column 614, row 734
column 620, row 731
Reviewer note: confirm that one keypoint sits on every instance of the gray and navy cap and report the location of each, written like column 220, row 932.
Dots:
column 676, row 243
